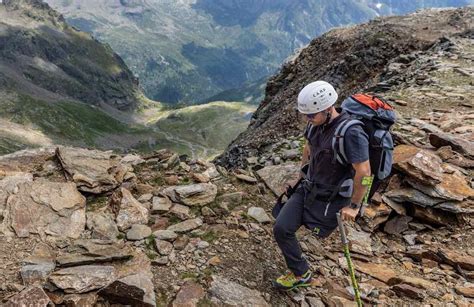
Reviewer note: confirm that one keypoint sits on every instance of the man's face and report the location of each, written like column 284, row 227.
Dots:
column 316, row 119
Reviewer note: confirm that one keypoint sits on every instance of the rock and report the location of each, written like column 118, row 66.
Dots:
column 102, row 225
column 276, row 160
column 80, row 300
column 290, row 154
column 130, row 212
column 413, row 196
column 163, row 260
column 397, row 207
column 134, row 290
column 397, row 225
column 466, row 291
column 106, row 253
column 201, row 178
column 81, row 279
column 314, row 301
column 461, row 145
column 410, row 239
column 408, row 291
column 199, row 194
column 9, row 185
column 145, row 198
column 206, row 211
column 258, row 214
column 279, row 176
column 186, row 225
column 181, row 242
column 46, row 208
column 36, row 273
column 28, row 296
column 360, row 241
column 166, row 235
column 161, row 204
column 184, row 167
column 160, row 223
column 163, row 247
column 434, row 216
column 211, row 172
column 171, row 179
column 246, row 178
column 182, row 212
column 138, row 232
column 374, row 215
column 224, row 291
column 452, row 258
column 189, row 295
column 215, row 261
column 426, row 170
column 412, row 281
column 93, row 171
column 233, row 199
column 379, row 271
column 132, row 160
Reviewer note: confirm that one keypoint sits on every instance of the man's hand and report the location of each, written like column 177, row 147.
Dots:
column 349, row 214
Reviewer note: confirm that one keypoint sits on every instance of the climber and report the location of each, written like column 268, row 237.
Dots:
column 327, row 187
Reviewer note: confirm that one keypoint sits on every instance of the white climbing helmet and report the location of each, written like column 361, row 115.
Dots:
column 316, row 97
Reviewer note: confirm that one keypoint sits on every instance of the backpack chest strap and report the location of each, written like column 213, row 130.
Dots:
column 338, row 146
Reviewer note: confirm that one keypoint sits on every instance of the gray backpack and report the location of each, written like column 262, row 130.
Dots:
column 376, row 117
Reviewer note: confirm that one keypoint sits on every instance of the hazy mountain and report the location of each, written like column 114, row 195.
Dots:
column 189, row 50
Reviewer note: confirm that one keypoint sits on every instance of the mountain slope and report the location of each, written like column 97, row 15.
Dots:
column 353, row 59
column 189, row 50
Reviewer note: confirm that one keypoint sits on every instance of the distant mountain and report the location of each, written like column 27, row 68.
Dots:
column 190, row 50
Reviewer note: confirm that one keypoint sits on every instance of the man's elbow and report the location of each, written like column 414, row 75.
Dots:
column 363, row 168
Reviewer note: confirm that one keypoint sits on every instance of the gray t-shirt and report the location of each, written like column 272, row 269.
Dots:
column 356, row 143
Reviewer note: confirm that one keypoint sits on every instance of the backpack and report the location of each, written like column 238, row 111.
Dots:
column 376, row 117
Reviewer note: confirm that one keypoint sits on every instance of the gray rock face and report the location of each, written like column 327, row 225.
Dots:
column 29, row 295
column 138, row 232
column 131, row 211
column 360, row 241
column 259, row 215
column 166, row 235
column 186, row 225
column 163, row 247
column 189, row 295
column 226, row 292
column 461, row 145
column 93, row 171
column 276, row 177
column 181, row 211
column 81, row 279
column 36, row 273
column 161, row 204
column 102, row 225
column 199, row 194
column 46, row 208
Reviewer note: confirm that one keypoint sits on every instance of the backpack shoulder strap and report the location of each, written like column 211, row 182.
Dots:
column 338, row 146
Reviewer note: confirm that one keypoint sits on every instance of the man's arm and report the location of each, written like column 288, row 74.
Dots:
column 361, row 170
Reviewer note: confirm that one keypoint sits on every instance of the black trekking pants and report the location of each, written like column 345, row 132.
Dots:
column 318, row 217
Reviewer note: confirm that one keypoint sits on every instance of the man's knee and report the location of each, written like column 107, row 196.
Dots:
column 282, row 231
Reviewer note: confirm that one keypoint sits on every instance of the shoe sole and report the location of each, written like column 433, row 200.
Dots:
column 279, row 287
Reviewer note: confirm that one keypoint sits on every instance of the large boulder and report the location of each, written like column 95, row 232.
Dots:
column 229, row 293
column 46, row 208
column 81, row 279
column 199, row 194
column 276, row 177
column 93, row 171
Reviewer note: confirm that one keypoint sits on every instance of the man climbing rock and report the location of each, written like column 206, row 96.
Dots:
column 328, row 186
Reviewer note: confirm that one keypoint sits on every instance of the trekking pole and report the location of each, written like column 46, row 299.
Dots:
column 345, row 244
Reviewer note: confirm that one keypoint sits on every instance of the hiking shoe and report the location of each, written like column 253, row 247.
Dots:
column 290, row 281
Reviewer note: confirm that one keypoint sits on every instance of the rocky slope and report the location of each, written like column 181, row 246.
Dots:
column 189, row 50
column 407, row 58
column 165, row 230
